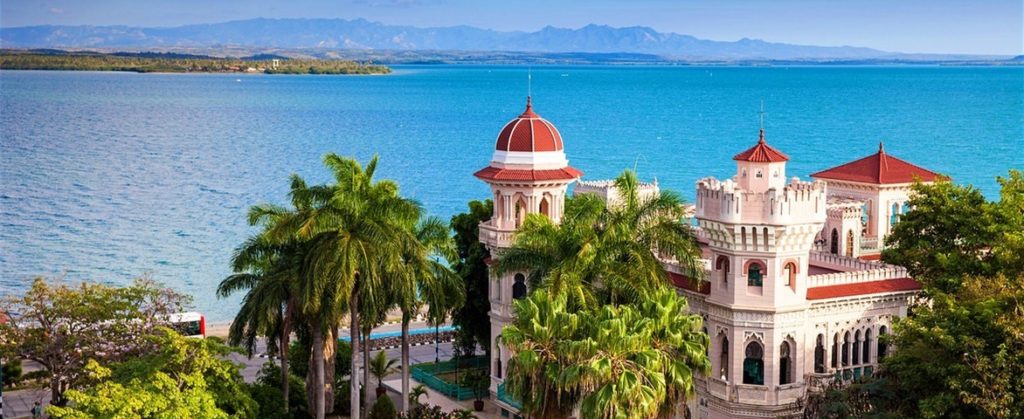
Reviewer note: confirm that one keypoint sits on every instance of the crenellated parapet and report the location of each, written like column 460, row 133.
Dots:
column 798, row 202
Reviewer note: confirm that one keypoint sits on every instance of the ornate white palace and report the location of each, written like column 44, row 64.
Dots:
column 794, row 293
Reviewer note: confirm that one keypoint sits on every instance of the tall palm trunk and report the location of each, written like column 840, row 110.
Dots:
column 367, row 388
column 286, row 331
column 353, row 333
column 406, row 317
column 318, row 372
column 330, row 347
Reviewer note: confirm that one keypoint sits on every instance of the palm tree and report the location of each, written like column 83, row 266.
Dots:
column 537, row 340
column 419, row 391
column 628, row 360
column 381, row 366
column 606, row 253
column 270, row 273
column 425, row 279
column 355, row 229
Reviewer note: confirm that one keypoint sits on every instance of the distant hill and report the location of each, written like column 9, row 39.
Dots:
column 360, row 34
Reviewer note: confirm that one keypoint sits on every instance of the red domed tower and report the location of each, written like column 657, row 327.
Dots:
column 528, row 174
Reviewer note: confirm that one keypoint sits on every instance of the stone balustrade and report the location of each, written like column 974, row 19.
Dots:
column 841, row 263
column 750, row 393
column 718, row 388
column 494, row 237
column 839, row 278
column 789, row 393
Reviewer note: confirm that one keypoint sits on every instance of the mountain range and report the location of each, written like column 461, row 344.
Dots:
column 363, row 35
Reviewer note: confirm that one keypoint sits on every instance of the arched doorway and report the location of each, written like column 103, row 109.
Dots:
column 753, row 364
column 881, row 342
column 519, row 287
column 856, row 348
column 785, row 364
column 835, row 242
column 545, row 207
column 865, row 356
column 819, row 355
column 723, row 359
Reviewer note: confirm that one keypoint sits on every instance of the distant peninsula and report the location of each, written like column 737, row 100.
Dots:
column 155, row 62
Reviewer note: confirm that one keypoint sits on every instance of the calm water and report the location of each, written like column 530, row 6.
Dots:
column 107, row 176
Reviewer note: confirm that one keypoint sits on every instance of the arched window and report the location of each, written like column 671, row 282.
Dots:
column 894, row 215
column 790, row 274
column 545, row 207
column 722, row 264
column 835, row 242
column 753, row 364
column 785, row 364
column 856, row 348
column 519, row 287
column 819, row 355
column 866, row 351
column 520, row 211
column 881, row 342
column 723, row 358
column 835, row 351
column 753, row 236
column 754, row 275
column 864, row 215
column 743, row 237
column 765, row 232
column 846, row 349
column 849, row 244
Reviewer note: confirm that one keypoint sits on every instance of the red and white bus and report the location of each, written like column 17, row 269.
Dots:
column 191, row 324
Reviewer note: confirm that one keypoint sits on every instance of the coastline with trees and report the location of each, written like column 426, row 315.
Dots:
column 179, row 63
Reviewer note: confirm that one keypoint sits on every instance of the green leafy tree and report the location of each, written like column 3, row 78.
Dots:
column 62, row 327
column 384, row 408
column 182, row 377
column 472, row 317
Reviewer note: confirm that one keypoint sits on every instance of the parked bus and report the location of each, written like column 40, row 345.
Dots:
column 191, row 324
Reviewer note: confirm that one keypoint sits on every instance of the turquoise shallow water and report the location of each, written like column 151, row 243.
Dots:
column 107, row 176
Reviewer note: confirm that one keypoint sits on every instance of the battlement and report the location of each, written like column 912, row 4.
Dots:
column 797, row 203
column 607, row 191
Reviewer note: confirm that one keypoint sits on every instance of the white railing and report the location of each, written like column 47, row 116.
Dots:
column 718, row 388
column 789, row 393
column 869, row 243
column 494, row 237
column 842, row 263
column 839, row 278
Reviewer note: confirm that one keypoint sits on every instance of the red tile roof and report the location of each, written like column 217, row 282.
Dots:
column 878, row 169
column 862, row 288
column 495, row 173
column 761, row 153
column 682, row 281
column 529, row 133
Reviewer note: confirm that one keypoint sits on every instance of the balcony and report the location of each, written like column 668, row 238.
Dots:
column 753, row 394
column 718, row 388
column 789, row 393
column 494, row 237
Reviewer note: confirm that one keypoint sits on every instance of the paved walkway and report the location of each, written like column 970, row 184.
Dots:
column 437, row 399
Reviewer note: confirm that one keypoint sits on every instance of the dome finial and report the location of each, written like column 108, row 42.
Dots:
column 760, row 139
column 881, row 147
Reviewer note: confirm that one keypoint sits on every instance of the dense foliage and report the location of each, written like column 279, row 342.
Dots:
column 472, row 318
column 180, row 377
column 960, row 352
column 603, row 330
column 63, row 327
column 140, row 64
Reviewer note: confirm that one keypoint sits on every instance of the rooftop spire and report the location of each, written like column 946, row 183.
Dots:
column 881, row 147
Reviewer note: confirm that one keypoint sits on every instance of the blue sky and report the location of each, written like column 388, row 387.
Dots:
column 939, row 26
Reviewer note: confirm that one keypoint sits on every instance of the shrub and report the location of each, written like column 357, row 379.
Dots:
column 384, row 408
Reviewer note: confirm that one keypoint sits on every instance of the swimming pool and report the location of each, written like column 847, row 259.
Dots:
column 397, row 333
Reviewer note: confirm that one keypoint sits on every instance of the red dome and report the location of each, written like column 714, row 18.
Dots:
column 529, row 133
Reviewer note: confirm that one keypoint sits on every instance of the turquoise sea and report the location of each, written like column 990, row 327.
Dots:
column 108, row 176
